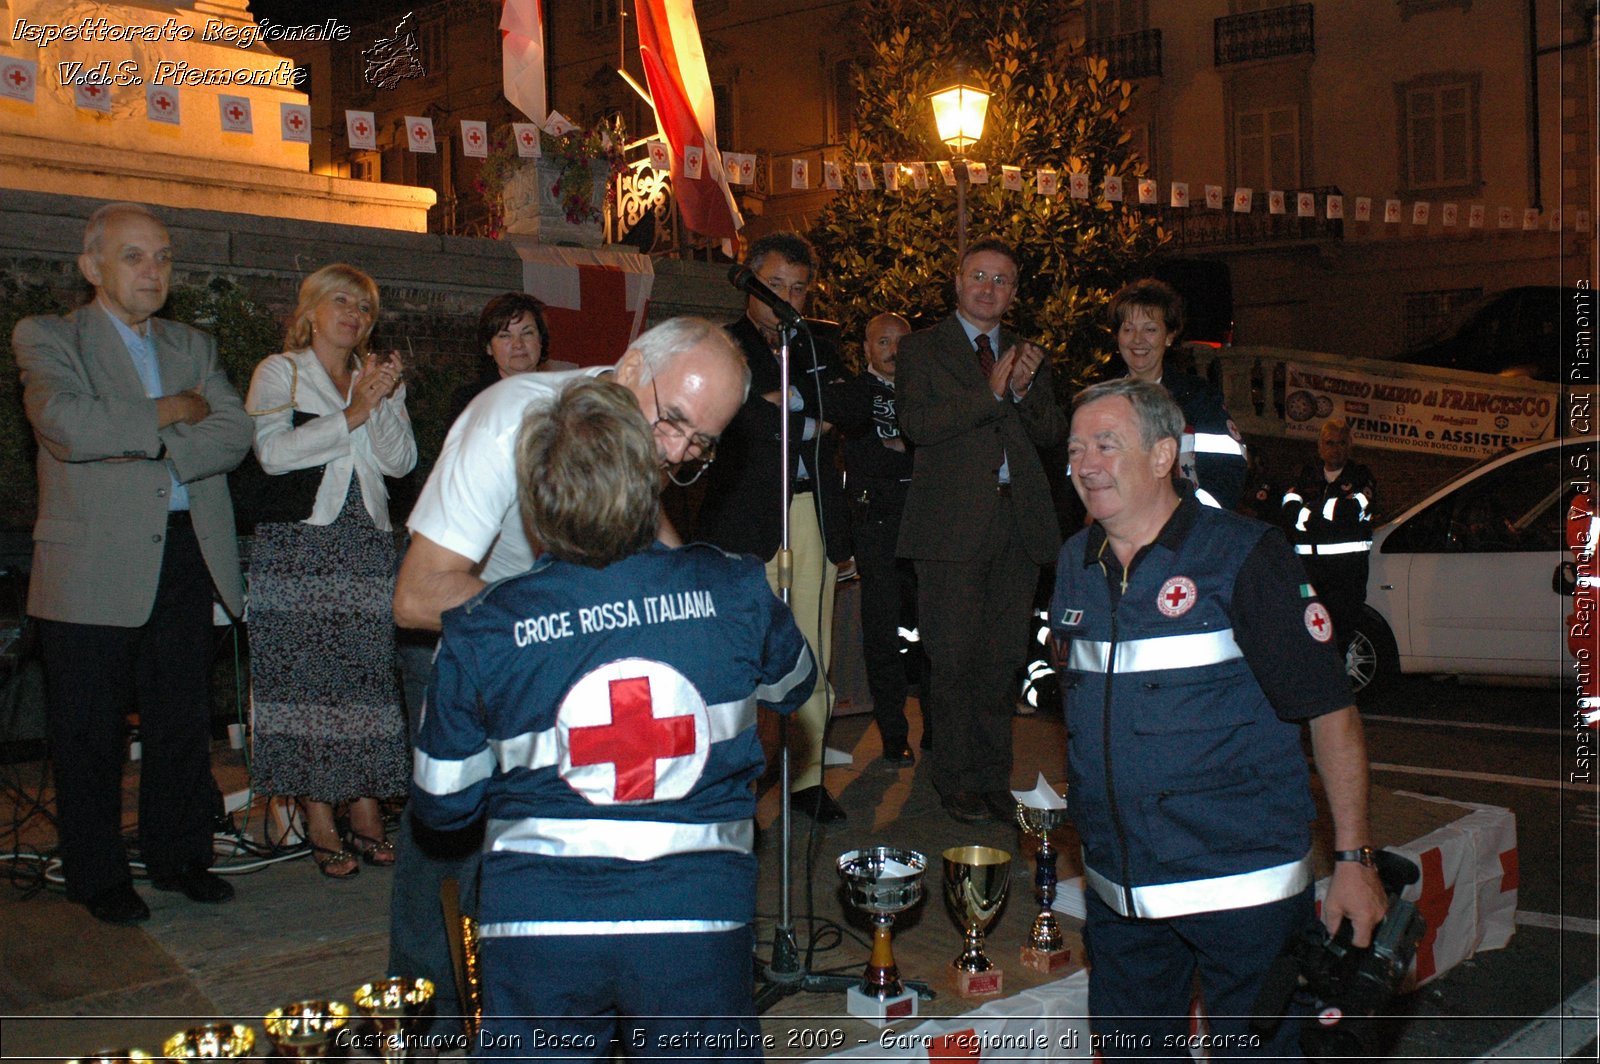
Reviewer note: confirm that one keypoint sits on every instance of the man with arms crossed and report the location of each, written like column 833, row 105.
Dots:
column 137, row 426
column 1191, row 649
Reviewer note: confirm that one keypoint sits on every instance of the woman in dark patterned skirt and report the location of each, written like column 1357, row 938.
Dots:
column 327, row 720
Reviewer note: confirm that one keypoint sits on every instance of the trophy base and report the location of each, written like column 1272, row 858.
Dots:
column 1046, row 960
column 978, row 984
column 881, row 1012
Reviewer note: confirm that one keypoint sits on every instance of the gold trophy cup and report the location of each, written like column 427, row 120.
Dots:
column 1045, row 950
column 975, row 882
column 882, row 881
column 305, row 1028
column 395, row 1007
column 211, row 1041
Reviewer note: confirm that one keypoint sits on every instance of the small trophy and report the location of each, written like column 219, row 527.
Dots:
column 1040, row 812
column 305, row 1028
column 975, row 883
column 395, row 1007
column 882, row 881
column 211, row 1041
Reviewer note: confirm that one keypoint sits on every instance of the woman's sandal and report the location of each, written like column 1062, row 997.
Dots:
column 327, row 858
column 372, row 851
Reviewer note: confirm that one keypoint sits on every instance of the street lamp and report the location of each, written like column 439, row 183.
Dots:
column 958, row 112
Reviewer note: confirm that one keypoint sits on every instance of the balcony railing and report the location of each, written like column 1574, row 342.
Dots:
column 1269, row 34
column 1130, row 55
column 1202, row 227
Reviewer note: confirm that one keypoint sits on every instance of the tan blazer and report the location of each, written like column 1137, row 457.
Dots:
column 962, row 434
column 102, row 524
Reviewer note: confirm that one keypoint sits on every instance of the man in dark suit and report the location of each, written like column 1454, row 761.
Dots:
column 977, row 404
column 137, row 428
column 740, row 511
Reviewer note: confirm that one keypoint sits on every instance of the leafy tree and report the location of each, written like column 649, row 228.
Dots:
column 1051, row 106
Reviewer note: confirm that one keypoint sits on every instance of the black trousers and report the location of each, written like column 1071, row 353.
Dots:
column 974, row 616
column 888, row 603
column 94, row 675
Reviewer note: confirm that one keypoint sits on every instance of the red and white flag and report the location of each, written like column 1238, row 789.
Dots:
column 660, row 155
column 978, row 173
column 1011, row 178
column 1305, row 205
column 1419, row 212
column 1243, row 200
column 1335, row 207
column 947, row 172
column 18, row 78
column 1147, row 192
column 294, row 122
column 1391, row 212
column 1180, row 193
column 1275, row 201
column 474, row 138
column 235, row 114
column 1214, row 197
column 361, row 130
column 831, row 175
column 694, row 162
column 1078, row 186
column 1363, row 208
column 864, row 180
column 1045, row 181
column 1448, row 214
column 1112, row 189
column 799, row 173
column 557, row 124
column 161, row 104
column 680, row 89
column 419, row 134
column 522, row 56
column 919, row 175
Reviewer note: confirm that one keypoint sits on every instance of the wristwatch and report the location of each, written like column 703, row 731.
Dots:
column 1362, row 855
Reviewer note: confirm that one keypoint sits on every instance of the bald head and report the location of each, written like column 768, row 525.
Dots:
column 884, row 334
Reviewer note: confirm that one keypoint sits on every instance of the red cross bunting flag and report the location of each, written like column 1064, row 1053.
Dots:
column 660, row 155
column 1305, row 205
column 1148, row 192
column 635, row 730
column 1078, row 186
column 831, row 176
column 1391, row 212
column 1180, row 193
column 1335, row 206
column 919, row 176
column 1214, row 197
column 1276, row 203
column 799, row 174
column 864, row 180
column 694, row 162
column 1475, row 214
column 1448, row 215
column 1243, row 200
column 947, row 172
column 1363, row 208
column 891, row 177
column 419, row 134
column 978, row 173
column 294, row 122
column 92, row 96
column 235, row 112
column 1112, row 187
column 522, row 56
column 557, row 124
column 1011, row 178
column 161, row 104
column 474, row 138
column 526, row 134
column 741, row 167
column 361, row 130
column 18, row 78
column 1046, row 181
column 680, row 91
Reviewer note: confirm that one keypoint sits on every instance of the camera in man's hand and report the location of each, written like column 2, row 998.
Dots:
column 1346, row 985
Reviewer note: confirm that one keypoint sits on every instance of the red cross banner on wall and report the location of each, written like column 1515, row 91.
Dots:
column 235, row 111
column 595, row 300
column 161, row 105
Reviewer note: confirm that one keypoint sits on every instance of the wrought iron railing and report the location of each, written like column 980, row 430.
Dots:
column 1268, row 34
column 1130, row 55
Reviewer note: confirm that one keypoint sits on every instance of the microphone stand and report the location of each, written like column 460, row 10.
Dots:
column 784, row 974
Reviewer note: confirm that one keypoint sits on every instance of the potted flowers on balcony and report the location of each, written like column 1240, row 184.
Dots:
column 560, row 195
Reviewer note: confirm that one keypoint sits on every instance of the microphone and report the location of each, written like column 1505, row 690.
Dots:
column 745, row 280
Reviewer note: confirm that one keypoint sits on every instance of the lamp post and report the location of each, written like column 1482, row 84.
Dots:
column 958, row 111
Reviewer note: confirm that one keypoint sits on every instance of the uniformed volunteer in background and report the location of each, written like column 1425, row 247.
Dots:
column 1329, row 516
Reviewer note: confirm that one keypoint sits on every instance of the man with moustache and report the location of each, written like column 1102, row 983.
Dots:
column 877, row 476
column 977, row 404
column 1191, row 650
column 137, row 428
column 740, row 511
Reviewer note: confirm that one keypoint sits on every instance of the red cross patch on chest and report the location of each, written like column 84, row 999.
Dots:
column 1176, row 596
column 634, row 730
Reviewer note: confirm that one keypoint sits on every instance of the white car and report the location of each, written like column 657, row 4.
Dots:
column 1476, row 579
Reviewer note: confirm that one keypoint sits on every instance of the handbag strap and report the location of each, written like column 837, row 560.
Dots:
column 294, row 386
